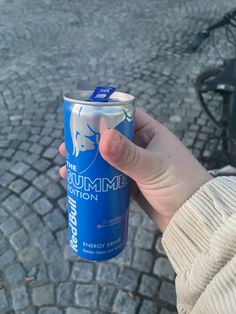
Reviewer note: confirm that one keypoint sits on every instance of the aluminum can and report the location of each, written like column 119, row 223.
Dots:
column 98, row 194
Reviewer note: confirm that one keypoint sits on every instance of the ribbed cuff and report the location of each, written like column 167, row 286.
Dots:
column 191, row 229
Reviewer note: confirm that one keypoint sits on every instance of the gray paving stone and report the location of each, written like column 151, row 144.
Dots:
column 46, row 140
column 144, row 238
column 54, row 191
column 55, row 220
column 143, row 260
column 86, row 295
column 4, row 193
column 15, row 273
column 148, row 307
column 106, row 297
column 51, row 253
column 20, row 168
column 43, row 238
column 175, row 118
column 6, row 258
column 43, row 295
column 18, row 185
column 31, row 158
column 3, row 300
column 3, row 215
column 82, row 272
column 135, row 208
column 42, row 206
column 50, row 310
column 125, row 257
column 57, row 142
column 42, row 164
column 50, row 152
column 135, row 218
column 53, row 173
column 23, row 211
column 128, row 278
column 30, row 256
column 149, row 286
column 32, row 271
column 63, row 185
column 124, row 304
column 32, row 223
column 42, row 273
column 131, row 235
column 11, row 152
column 24, row 146
column 159, row 248
column 30, row 175
column 62, row 202
column 34, row 138
column 149, row 224
column 3, row 245
column 167, row 292
column 65, row 293
column 30, row 195
column 163, row 269
column 6, row 179
column 20, row 298
column 74, row 310
column 19, row 239
column 165, row 311
column 9, row 226
column 15, row 117
column 31, row 310
column 36, row 148
column 4, row 144
column 107, row 272
column 59, row 271
column 12, row 203
column 41, row 182
column 62, row 238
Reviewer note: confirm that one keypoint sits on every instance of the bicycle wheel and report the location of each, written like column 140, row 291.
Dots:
column 209, row 98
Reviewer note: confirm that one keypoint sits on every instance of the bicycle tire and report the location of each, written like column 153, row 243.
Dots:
column 210, row 72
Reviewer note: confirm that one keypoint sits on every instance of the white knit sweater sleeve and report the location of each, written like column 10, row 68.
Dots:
column 200, row 242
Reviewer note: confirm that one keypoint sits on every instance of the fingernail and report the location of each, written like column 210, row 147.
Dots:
column 61, row 172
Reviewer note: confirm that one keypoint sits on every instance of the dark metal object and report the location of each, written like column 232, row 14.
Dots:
column 221, row 81
column 228, row 19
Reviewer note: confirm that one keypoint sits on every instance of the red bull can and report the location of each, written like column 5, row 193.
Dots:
column 98, row 194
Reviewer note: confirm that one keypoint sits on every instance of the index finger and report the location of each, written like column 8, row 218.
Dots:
column 142, row 119
column 145, row 127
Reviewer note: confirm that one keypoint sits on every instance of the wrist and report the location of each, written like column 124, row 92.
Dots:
column 185, row 190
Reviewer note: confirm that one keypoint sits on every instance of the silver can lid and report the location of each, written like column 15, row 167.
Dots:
column 82, row 97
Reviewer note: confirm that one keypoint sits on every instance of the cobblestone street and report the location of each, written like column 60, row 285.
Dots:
column 47, row 48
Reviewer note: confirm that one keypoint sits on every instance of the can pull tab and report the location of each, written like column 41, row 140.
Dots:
column 102, row 93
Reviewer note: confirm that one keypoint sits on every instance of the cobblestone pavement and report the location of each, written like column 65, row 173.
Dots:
column 48, row 47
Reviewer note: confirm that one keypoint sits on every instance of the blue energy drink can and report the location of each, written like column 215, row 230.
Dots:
column 98, row 194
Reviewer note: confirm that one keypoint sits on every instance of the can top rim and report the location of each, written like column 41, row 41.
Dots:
column 82, row 96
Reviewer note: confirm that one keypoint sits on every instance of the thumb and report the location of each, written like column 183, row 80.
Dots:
column 134, row 161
